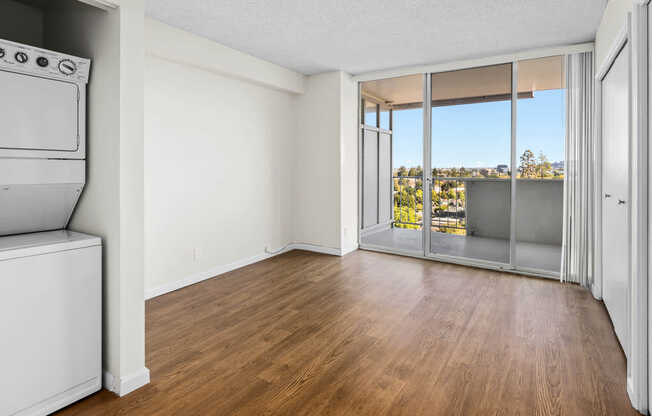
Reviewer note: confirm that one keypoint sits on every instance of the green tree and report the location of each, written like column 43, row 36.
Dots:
column 528, row 167
column 415, row 171
column 544, row 167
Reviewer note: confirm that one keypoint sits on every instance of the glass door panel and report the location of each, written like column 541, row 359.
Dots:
column 541, row 132
column 470, row 161
column 392, row 159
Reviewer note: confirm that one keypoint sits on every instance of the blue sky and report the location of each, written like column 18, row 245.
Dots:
column 478, row 135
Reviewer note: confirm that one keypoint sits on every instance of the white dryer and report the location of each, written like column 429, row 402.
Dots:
column 50, row 277
column 43, row 140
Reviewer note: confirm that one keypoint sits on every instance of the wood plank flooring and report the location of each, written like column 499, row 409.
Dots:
column 375, row 334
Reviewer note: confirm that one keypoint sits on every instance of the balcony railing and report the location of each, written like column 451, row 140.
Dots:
column 448, row 205
column 407, row 200
column 480, row 206
column 448, row 211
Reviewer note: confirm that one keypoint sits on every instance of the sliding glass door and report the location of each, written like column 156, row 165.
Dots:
column 470, row 158
column 474, row 174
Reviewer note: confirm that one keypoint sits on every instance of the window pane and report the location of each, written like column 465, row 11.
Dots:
column 392, row 166
column 541, row 119
column 384, row 117
column 471, row 152
column 370, row 113
column 541, row 136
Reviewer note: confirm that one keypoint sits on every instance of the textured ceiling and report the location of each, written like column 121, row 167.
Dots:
column 312, row 36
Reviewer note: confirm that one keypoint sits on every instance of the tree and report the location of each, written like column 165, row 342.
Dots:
column 528, row 167
column 543, row 166
column 401, row 171
column 415, row 171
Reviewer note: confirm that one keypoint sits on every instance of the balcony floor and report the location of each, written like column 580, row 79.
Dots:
column 529, row 255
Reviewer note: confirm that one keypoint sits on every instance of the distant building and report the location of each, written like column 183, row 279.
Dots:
column 502, row 168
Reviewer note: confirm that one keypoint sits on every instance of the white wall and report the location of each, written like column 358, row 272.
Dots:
column 326, row 160
column 348, row 164
column 219, row 148
column 21, row 23
column 317, row 206
column 611, row 24
column 239, row 161
column 218, row 171
column 132, row 238
column 111, row 205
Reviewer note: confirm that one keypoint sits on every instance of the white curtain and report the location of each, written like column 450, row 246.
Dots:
column 577, row 245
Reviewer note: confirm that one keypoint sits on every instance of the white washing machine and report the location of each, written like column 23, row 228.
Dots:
column 50, row 277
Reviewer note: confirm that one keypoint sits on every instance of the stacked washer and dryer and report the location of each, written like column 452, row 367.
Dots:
column 50, row 277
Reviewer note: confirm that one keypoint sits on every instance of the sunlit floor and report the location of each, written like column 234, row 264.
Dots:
column 528, row 255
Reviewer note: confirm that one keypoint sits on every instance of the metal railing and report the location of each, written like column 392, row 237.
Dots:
column 407, row 201
column 448, row 205
column 448, row 211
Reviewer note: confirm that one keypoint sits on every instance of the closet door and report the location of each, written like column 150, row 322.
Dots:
column 616, row 187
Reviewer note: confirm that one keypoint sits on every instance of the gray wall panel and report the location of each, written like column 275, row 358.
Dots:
column 385, row 178
column 370, row 179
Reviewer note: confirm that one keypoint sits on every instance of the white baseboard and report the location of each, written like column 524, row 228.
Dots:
column 348, row 250
column 126, row 384
column 315, row 248
column 633, row 397
column 63, row 399
column 201, row 276
column 218, row 270
column 107, row 381
column 595, row 291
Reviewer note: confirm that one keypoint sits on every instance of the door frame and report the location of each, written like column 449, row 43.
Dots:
column 426, row 71
column 511, row 265
column 633, row 35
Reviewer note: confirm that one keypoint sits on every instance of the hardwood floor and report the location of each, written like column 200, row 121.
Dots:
column 375, row 334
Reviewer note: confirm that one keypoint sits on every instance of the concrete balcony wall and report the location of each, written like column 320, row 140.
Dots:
column 539, row 212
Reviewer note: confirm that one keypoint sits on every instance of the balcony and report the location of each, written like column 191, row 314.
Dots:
column 470, row 218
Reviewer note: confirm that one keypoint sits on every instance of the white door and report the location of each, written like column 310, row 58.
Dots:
column 616, row 187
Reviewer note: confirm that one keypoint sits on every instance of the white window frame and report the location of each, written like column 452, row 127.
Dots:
column 426, row 71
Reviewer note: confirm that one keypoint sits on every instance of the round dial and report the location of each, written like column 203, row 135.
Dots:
column 2, row 53
column 42, row 61
column 21, row 57
column 67, row 67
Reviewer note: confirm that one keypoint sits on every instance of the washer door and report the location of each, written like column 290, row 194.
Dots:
column 38, row 113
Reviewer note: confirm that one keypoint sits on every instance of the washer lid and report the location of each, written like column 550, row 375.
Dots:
column 34, row 244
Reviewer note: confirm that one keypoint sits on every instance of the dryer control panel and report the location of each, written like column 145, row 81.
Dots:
column 42, row 62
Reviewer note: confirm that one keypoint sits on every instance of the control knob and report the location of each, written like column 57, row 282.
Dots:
column 21, row 57
column 67, row 67
column 42, row 61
